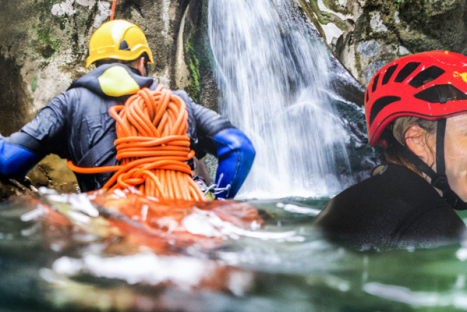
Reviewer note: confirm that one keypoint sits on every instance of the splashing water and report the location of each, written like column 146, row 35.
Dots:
column 274, row 75
column 123, row 252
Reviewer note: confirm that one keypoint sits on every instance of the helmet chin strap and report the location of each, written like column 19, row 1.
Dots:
column 439, row 178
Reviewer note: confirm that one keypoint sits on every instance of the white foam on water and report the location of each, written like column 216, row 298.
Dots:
column 34, row 214
column 301, row 210
column 456, row 298
column 208, row 224
column 142, row 268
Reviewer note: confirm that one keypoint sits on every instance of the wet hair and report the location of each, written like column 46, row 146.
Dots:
column 396, row 132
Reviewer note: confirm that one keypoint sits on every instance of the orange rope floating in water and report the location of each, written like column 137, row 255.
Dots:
column 152, row 147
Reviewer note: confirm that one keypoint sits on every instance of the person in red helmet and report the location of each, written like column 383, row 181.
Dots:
column 416, row 107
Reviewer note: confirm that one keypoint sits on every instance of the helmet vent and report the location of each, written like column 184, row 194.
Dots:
column 367, row 97
column 388, row 74
column 124, row 46
column 375, row 84
column 380, row 104
column 406, row 71
column 441, row 94
column 426, row 76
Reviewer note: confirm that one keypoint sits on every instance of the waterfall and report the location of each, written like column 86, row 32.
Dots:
column 274, row 74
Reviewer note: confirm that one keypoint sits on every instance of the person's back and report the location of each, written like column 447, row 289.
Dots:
column 77, row 124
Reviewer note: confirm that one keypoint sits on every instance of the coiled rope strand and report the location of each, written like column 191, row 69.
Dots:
column 152, row 147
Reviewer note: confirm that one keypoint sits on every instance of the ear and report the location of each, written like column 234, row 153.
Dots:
column 140, row 66
column 420, row 144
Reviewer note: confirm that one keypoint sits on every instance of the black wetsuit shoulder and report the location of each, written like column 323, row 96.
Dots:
column 394, row 209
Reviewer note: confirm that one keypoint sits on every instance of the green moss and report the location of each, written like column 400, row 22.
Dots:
column 34, row 82
column 332, row 4
column 46, row 45
column 358, row 66
column 193, row 65
column 48, row 4
column 199, row 58
column 43, row 35
column 323, row 17
column 309, row 12
column 342, row 26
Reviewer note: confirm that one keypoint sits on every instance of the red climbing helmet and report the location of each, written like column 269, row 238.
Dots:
column 430, row 85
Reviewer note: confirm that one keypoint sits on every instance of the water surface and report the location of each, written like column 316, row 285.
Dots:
column 213, row 257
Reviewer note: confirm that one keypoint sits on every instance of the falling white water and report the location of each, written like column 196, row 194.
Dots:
column 274, row 75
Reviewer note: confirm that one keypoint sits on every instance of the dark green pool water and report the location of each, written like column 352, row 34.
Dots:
column 283, row 266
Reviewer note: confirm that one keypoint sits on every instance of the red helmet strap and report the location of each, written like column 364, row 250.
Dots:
column 438, row 179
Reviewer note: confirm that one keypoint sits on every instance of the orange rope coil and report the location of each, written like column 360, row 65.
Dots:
column 152, row 147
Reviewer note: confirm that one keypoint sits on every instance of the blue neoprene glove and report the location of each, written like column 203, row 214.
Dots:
column 15, row 160
column 236, row 154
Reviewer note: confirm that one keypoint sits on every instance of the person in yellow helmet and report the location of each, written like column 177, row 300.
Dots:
column 77, row 125
column 118, row 40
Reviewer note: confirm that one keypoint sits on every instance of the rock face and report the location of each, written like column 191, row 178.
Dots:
column 369, row 34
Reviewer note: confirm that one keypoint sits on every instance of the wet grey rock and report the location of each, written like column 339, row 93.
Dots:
column 376, row 22
column 369, row 48
column 372, row 69
column 399, row 27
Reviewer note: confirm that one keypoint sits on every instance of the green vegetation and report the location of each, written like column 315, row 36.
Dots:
column 48, row 4
column 304, row 5
column 43, row 35
column 46, row 46
column 34, row 82
column 200, row 60
column 323, row 17
column 342, row 25
column 193, row 65
column 332, row 4
column 358, row 65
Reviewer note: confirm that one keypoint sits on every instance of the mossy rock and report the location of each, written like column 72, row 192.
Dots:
column 199, row 57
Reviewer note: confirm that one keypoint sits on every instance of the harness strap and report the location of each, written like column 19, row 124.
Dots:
column 102, row 151
column 105, row 147
column 440, row 137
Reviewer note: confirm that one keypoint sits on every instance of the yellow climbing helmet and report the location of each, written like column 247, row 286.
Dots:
column 120, row 40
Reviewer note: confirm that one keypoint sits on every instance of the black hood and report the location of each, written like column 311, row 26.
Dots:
column 114, row 80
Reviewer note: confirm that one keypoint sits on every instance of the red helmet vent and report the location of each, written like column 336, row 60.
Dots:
column 380, row 104
column 426, row 76
column 375, row 83
column 389, row 74
column 441, row 94
column 406, row 71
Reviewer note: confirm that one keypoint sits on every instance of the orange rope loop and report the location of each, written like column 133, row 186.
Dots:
column 152, row 147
